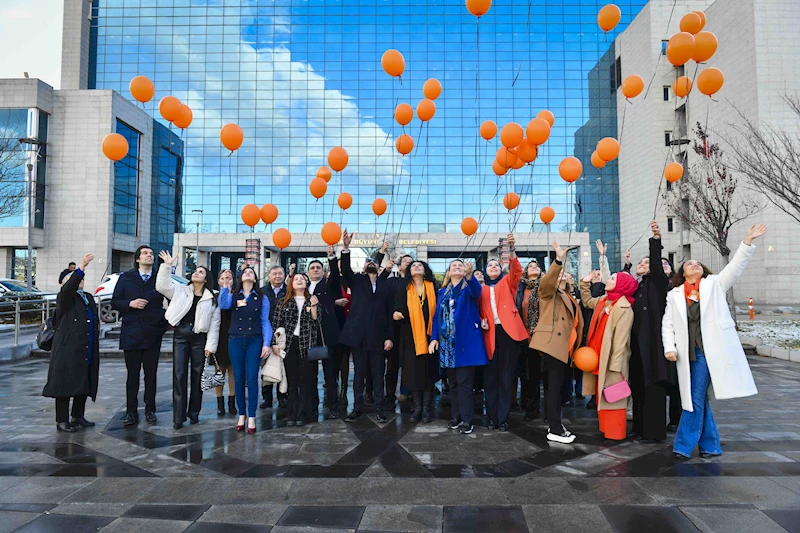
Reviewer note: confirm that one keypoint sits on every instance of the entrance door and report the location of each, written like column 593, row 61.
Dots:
column 222, row 260
column 302, row 260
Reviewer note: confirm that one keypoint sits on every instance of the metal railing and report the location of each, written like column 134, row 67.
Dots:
column 16, row 309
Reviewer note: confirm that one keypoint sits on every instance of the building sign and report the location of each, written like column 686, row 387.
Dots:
column 252, row 251
column 379, row 242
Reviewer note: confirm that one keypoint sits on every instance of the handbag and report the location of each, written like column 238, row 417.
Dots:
column 213, row 379
column 617, row 391
column 318, row 353
column 44, row 339
column 271, row 371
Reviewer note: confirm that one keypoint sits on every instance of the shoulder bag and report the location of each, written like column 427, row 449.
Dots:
column 319, row 353
column 213, row 379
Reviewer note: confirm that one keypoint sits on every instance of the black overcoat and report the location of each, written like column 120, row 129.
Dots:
column 142, row 329
column 648, row 310
column 369, row 323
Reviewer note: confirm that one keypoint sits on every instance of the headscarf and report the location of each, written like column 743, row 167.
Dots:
column 489, row 282
column 626, row 286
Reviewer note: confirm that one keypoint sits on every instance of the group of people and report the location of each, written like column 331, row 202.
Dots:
column 654, row 332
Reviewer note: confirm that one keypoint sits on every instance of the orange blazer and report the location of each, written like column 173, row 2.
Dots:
column 505, row 293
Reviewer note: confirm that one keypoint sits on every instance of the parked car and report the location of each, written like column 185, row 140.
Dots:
column 10, row 286
column 104, row 292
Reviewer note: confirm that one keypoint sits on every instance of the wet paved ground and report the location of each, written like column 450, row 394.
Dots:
column 332, row 476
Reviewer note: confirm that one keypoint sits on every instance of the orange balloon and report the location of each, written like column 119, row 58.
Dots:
column 596, row 161
column 518, row 164
column 548, row 116
column 570, row 169
column 469, row 226
column 586, row 359
column 379, row 206
column 115, row 146
column 608, row 149
column 403, row 114
column 609, row 17
column 404, row 144
column 511, row 200
column 702, row 18
column 499, row 169
column 318, row 187
column 170, row 108
column 324, row 173
column 251, row 215
column 281, row 238
column 269, row 213
column 547, row 215
column 538, row 131
column 331, row 233
column 184, row 119
column 673, row 172
column 142, row 89
column 488, row 129
column 691, row 23
column 426, row 109
column 393, row 63
column 511, row 135
column 527, row 151
column 479, row 7
column 345, row 200
column 680, row 48
column 705, row 46
column 506, row 157
column 338, row 158
column 632, row 86
column 231, row 136
column 682, row 86
column 710, row 81
column 432, row 89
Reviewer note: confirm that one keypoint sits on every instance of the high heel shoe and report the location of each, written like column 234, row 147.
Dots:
column 251, row 430
column 240, row 424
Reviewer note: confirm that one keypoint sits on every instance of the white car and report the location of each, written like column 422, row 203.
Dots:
column 105, row 291
column 10, row 286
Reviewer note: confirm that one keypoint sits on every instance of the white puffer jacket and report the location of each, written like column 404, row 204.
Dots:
column 207, row 316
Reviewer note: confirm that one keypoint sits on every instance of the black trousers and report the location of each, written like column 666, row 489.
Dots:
column 368, row 363
column 392, row 374
column 188, row 361
column 266, row 393
column 344, row 368
column 675, row 408
column 499, row 377
column 331, row 368
column 298, row 377
column 650, row 411
column 62, row 408
column 462, row 395
column 531, row 383
column 135, row 360
column 555, row 380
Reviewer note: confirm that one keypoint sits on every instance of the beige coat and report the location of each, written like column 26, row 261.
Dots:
column 557, row 314
column 615, row 353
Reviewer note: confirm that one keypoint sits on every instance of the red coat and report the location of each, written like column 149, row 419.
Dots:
column 505, row 293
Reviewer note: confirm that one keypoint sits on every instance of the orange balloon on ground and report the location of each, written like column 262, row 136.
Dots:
column 499, row 169
column 511, row 200
column 705, row 46
column 338, row 158
column 673, row 172
column 608, row 149
column 331, row 233
column 318, row 187
column 231, row 136
column 702, row 18
column 586, row 359
column 596, row 161
column 426, row 109
column 511, row 135
column 710, row 81
column 608, row 17
column 393, row 63
column 379, row 206
column 184, row 119
column 115, row 146
column 404, row 144
column 570, row 169
column 479, row 7
column 403, row 114
column 682, row 86
column 488, row 129
column 345, row 200
column 680, row 48
column 691, row 23
column 251, row 215
column 142, row 89
column 269, row 213
column 547, row 215
column 432, row 89
column 281, row 238
column 469, row 226
column 548, row 116
column 170, row 108
column 324, row 173
column 527, row 151
column 632, row 86
column 538, row 131
column 506, row 157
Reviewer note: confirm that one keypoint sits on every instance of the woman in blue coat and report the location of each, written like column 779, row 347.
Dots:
column 457, row 334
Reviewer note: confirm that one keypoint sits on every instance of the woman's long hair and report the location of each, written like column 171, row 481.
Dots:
column 678, row 278
column 428, row 276
column 207, row 285
column 238, row 286
column 531, row 262
column 290, row 291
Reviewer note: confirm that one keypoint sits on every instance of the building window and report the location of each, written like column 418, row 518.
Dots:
column 671, row 257
column 667, row 138
column 19, row 265
column 165, row 211
column 618, row 72
column 667, row 89
column 663, row 48
column 669, row 186
column 13, row 126
column 670, row 227
column 41, row 170
column 126, row 184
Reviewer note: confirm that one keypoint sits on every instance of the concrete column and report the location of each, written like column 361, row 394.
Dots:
column 75, row 44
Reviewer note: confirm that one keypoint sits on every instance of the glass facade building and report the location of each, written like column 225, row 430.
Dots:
column 303, row 76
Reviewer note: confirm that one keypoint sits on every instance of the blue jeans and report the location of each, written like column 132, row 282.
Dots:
column 698, row 427
column 245, row 354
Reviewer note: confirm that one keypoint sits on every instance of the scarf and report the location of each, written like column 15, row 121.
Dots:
column 447, row 329
column 533, row 303
column 597, row 328
column 492, row 282
column 626, row 286
column 83, row 295
column 419, row 330
column 691, row 291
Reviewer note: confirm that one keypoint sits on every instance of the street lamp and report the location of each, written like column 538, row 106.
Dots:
column 31, row 147
column 197, row 249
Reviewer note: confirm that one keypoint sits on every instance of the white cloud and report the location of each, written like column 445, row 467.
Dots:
column 35, row 38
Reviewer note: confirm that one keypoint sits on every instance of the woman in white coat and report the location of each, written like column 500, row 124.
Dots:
column 698, row 332
column 195, row 315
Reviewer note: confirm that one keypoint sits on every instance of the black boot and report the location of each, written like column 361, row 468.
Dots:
column 220, row 406
column 232, row 405
column 427, row 406
column 343, row 396
column 416, row 416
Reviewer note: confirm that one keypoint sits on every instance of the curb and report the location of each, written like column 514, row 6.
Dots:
column 15, row 353
column 784, row 354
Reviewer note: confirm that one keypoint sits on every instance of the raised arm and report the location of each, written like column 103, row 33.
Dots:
column 586, row 294
column 733, row 271
column 657, row 275
column 549, row 283
column 474, row 288
column 335, row 278
column 605, row 271
column 514, row 276
column 347, row 270
column 225, row 298
column 164, row 283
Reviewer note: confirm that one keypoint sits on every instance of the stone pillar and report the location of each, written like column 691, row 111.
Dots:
column 75, row 44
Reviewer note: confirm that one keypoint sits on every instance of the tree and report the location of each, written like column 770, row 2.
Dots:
column 12, row 168
column 708, row 200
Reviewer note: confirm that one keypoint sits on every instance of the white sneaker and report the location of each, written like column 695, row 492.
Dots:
column 564, row 438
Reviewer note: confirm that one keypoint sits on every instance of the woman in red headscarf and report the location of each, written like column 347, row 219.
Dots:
column 610, row 336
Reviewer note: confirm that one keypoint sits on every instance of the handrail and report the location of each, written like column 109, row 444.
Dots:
column 9, row 308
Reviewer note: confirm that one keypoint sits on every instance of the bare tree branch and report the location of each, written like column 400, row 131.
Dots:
column 12, row 167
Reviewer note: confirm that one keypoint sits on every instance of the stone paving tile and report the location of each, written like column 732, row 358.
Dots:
column 484, row 519
column 215, row 527
column 113, row 490
column 92, row 509
column 561, row 518
column 468, row 492
column 411, row 518
column 142, row 525
column 716, row 520
column 54, row 523
column 11, row 520
column 789, row 519
column 43, row 489
column 265, row 514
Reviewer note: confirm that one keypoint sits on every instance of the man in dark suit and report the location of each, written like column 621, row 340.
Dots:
column 141, row 308
column 368, row 330
column 275, row 291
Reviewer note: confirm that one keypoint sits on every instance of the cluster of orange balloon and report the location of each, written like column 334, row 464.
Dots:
column 175, row 112
column 607, row 150
column 699, row 46
column 426, row 109
column 252, row 214
column 520, row 147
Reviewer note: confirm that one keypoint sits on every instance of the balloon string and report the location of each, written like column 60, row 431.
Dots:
column 230, row 185
column 666, row 34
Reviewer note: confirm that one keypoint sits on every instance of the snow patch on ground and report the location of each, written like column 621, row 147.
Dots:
column 779, row 333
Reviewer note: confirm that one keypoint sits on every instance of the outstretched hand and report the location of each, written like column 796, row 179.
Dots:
column 601, row 248
column 560, row 252
column 755, row 231
column 166, row 257
column 88, row 258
